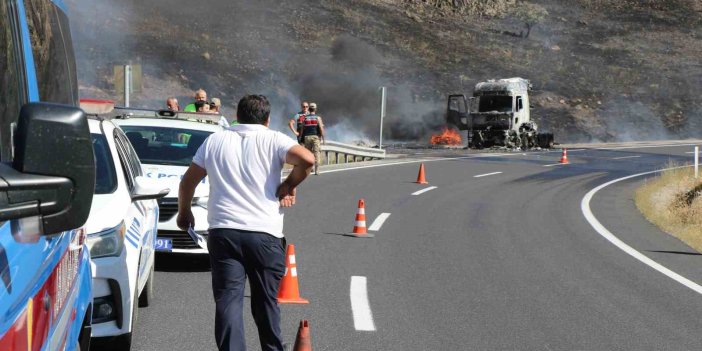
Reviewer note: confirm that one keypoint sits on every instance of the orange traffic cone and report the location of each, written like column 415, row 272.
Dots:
column 420, row 177
column 359, row 228
column 564, row 156
column 289, row 291
column 302, row 341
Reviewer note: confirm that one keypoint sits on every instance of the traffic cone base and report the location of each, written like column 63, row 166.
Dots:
column 367, row 235
column 303, row 341
column 289, row 291
column 564, row 157
column 421, row 178
column 359, row 228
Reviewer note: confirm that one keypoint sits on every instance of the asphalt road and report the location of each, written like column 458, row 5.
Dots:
column 505, row 261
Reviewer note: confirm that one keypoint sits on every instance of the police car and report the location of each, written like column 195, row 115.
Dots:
column 166, row 142
column 121, row 228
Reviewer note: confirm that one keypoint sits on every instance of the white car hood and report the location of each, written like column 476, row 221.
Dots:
column 171, row 175
column 105, row 212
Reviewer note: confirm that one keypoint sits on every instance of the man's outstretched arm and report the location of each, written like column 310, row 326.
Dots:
column 302, row 161
column 186, row 190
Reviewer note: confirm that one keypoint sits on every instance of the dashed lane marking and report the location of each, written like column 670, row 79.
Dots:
column 604, row 232
column 362, row 314
column 556, row 164
column 486, row 174
column 419, row 192
column 378, row 222
column 625, row 157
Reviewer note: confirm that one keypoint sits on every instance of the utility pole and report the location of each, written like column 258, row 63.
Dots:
column 127, row 83
column 382, row 115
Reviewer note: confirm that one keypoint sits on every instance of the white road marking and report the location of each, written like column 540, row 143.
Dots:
column 362, row 315
column 556, row 164
column 624, row 157
column 483, row 155
column 486, row 174
column 425, row 160
column 641, row 146
column 419, row 192
column 587, row 212
column 378, row 222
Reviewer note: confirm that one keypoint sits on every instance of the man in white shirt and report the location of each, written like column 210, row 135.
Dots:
column 244, row 164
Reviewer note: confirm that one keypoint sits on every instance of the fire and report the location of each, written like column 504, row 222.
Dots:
column 447, row 136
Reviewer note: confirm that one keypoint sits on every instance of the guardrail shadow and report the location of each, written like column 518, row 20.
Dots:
column 676, row 252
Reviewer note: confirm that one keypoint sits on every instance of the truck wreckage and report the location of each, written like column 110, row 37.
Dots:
column 497, row 115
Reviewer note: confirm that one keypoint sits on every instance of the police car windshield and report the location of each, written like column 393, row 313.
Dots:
column 105, row 175
column 165, row 146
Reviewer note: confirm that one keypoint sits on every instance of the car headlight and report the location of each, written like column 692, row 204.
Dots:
column 201, row 201
column 107, row 242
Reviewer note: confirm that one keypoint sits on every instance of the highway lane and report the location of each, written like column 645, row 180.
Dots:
column 504, row 261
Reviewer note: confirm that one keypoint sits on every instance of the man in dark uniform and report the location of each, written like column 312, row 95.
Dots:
column 313, row 135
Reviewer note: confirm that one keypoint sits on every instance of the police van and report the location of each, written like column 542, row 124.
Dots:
column 166, row 142
column 47, row 177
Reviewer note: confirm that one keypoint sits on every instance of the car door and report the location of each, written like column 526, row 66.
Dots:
column 142, row 213
column 457, row 112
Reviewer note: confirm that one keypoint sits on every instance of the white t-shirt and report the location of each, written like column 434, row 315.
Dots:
column 244, row 164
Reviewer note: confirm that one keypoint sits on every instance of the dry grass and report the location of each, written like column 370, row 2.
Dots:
column 662, row 200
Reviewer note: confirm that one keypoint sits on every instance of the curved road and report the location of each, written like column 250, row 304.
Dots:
column 502, row 261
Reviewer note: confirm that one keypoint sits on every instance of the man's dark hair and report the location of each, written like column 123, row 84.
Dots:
column 312, row 109
column 253, row 109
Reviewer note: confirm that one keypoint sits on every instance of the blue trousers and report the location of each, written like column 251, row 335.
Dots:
column 235, row 254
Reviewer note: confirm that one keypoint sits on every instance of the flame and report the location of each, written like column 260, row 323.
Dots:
column 447, row 136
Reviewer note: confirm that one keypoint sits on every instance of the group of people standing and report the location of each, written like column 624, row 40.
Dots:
column 199, row 105
column 308, row 127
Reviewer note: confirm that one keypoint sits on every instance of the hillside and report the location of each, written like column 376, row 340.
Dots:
column 602, row 70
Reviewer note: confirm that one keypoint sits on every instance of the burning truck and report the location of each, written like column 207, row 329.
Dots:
column 497, row 115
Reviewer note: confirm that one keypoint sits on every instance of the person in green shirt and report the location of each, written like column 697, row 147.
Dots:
column 200, row 95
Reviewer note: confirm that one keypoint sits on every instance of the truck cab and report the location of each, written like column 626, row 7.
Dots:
column 47, row 179
column 497, row 115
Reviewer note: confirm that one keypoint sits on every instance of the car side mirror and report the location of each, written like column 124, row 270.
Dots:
column 52, row 177
column 148, row 189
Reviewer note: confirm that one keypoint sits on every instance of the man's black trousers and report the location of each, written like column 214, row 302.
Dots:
column 235, row 254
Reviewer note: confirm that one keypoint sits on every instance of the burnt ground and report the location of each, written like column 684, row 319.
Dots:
column 602, row 70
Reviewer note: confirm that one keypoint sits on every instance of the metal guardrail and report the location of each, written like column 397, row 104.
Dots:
column 335, row 152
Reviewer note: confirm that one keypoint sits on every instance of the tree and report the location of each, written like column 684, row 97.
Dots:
column 530, row 14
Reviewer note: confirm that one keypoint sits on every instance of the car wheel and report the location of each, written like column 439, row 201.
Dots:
column 148, row 293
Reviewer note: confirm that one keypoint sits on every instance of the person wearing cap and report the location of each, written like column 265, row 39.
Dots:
column 313, row 135
column 297, row 120
column 216, row 106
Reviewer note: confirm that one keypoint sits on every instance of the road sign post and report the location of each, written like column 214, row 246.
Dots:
column 382, row 115
column 697, row 162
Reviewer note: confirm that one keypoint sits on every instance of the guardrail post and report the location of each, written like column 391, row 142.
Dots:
column 697, row 162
